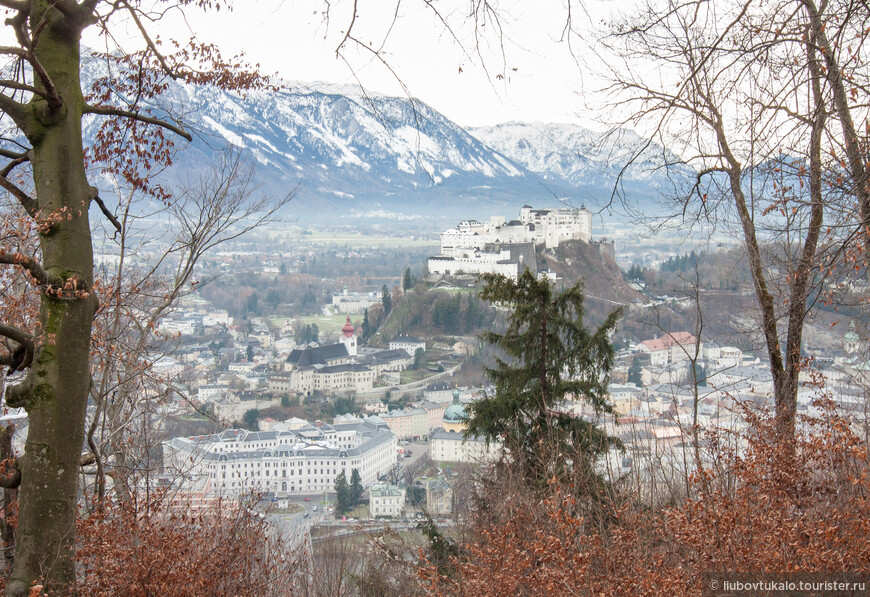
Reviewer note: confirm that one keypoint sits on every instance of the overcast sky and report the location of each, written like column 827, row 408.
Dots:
column 537, row 79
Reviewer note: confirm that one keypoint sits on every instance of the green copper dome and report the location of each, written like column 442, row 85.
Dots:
column 455, row 413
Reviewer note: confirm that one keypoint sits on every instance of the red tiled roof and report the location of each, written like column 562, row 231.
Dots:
column 668, row 340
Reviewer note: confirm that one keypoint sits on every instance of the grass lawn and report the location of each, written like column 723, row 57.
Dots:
column 360, row 512
column 409, row 375
column 193, row 417
column 328, row 325
column 277, row 322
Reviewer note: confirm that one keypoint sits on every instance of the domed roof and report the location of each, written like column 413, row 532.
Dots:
column 455, row 413
column 347, row 329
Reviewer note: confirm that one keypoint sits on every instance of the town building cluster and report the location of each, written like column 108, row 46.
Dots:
column 661, row 389
column 507, row 247
column 664, row 387
column 340, row 367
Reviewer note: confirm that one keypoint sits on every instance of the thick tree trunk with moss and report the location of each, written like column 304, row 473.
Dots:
column 56, row 389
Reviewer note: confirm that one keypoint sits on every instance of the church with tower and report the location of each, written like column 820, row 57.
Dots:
column 338, row 367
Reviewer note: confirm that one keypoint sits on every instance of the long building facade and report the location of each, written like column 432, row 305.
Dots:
column 302, row 460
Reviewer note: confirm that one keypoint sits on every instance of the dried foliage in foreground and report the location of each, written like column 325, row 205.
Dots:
column 765, row 509
column 161, row 548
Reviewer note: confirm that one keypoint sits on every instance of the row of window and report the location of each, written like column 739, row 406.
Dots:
column 284, row 464
column 283, row 473
column 284, row 486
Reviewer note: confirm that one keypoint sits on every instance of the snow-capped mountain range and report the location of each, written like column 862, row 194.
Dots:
column 566, row 153
column 375, row 156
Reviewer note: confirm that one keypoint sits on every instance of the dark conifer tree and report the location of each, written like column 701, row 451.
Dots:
column 386, row 300
column 356, row 488
column 342, row 494
column 546, row 356
column 366, row 327
column 406, row 280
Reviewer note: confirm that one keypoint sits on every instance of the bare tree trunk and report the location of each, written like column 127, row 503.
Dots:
column 833, row 72
column 55, row 391
column 10, row 499
column 784, row 393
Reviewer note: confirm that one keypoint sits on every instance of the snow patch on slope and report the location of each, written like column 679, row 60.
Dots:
column 224, row 132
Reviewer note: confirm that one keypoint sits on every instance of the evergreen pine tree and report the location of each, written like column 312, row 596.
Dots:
column 366, row 327
column 342, row 494
column 700, row 375
column 356, row 488
column 406, row 280
column 251, row 419
column 386, row 300
column 546, row 356
column 635, row 373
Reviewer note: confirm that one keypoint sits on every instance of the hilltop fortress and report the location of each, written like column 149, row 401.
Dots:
column 506, row 247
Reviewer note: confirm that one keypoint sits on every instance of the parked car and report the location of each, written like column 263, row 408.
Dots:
column 307, row 499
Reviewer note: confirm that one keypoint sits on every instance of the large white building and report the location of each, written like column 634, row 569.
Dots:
column 453, row 446
column 303, row 460
column 478, row 261
column 407, row 343
column 354, row 302
column 485, row 247
column 672, row 348
column 546, row 227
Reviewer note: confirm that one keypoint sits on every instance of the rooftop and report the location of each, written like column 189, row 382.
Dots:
column 668, row 340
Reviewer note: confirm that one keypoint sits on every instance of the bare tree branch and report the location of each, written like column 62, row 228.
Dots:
column 12, row 155
column 51, row 94
column 147, row 37
column 109, row 215
column 15, row 110
column 27, row 202
column 20, row 358
column 16, row 334
column 13, row 479
column 835, row 77
column 11, row 166
column 12, row 84
column 31, row 265
column 113, row 111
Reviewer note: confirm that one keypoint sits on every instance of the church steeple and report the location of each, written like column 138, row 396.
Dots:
column 348, row 328
column 348, row 337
